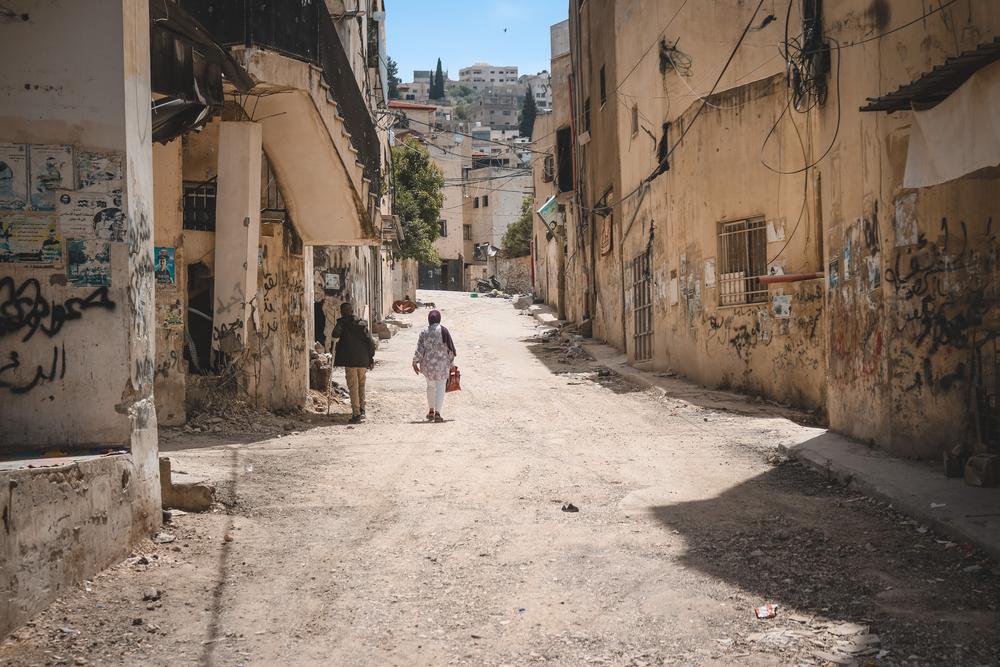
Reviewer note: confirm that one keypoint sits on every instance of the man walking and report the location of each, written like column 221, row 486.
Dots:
column 356, row 353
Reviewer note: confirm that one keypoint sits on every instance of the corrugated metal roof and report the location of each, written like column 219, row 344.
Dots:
column 934, row 86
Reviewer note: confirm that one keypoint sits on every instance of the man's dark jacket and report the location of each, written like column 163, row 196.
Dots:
column 355, row 346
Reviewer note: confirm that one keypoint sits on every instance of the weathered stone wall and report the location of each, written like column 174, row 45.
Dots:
column 77, row 335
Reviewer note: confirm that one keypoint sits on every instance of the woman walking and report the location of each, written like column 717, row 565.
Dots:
column 434, row 356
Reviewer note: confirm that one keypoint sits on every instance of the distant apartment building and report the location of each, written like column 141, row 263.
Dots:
column 541, row 88
column 482, row 77
column 496, row 111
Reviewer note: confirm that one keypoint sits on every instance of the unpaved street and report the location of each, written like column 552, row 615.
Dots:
column 403, row 543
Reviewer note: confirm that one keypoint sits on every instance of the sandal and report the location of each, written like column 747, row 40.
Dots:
column 430, row 415
column 438, row 419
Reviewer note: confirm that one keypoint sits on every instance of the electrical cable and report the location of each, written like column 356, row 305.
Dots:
column 650, row 47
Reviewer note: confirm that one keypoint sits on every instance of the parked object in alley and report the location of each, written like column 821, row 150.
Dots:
column 981, row 470
column 356, row 353
column 433, row 359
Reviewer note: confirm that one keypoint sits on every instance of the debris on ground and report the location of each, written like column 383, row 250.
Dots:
column 570, row 507
column 766, row 611
column 320, row 368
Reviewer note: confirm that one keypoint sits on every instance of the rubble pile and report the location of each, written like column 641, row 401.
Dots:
column 222, row 413
column 320, row 368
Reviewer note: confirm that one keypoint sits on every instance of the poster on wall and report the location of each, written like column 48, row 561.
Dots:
column 88, row 262
column 30, row 240
column 91, row 215
column 50, row 169
column 781, row 304
column 164, row 271
column 710, row 272
column 13, row 177
column 174, row 316
column 99, row 171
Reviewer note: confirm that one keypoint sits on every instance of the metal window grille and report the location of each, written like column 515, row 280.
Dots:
column 548, row 169
column 642, row 307
column 199, row 206
column 742, row 262
column 467, row 232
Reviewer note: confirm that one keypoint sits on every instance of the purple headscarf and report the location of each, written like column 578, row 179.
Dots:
column 434, row 317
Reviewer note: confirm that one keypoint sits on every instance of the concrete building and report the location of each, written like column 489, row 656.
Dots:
column 135, row 278
column 452, row 154
column 493, row 196
column 502, row 112
column 780, row 235
column 541, row 88
column 482, row 77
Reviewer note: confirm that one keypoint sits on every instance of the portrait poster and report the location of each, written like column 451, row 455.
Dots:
column 13, row 177
column 91, row 215
column 88, row 262
column 30, row 240
column 50, row 169
column 163, row 261
column 99, row 171
column 781, row 304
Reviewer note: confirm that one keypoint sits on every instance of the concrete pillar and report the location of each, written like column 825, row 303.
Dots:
column 237, row 233
column 76, row 318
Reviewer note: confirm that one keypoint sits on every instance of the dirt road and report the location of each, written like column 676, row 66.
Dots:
column 403, row 543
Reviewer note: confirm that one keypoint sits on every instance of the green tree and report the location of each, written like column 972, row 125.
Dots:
column 418, row 184
column 437, row 83
column 517, row 238
column 528, row 113
column 392, row 71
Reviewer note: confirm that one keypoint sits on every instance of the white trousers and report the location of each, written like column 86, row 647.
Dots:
column 435, row 394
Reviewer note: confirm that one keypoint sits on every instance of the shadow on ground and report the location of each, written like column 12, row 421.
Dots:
column 792, row 538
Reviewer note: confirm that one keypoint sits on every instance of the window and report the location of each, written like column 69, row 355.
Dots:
column 635, row 119
column 742, row 262
column 444, row 228
column 586, row 115
column 604, row 88
column 199, row 206
column 475, row 203
column 548, row 169
column 467, row 232
column 486, row 201
column 564, row 154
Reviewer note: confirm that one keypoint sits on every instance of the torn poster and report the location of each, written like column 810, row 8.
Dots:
column 164, row 272
column 91, row 215
column 174, row 316
column 30, row 240
column 775, row 231
column 99, row 171
column 13, row 177
column 905, row 220
column 88, row 262
column 51, row 169
column 710, row 272
column 781, row 304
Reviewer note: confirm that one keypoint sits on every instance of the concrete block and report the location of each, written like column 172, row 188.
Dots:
column 184, row 492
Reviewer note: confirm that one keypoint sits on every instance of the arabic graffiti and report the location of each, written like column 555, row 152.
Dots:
column 57, row 370
column 24, row 308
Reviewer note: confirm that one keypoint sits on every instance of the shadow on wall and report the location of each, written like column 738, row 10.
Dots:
column 784, row 537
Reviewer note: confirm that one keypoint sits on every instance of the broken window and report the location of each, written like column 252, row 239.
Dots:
column 742, row 262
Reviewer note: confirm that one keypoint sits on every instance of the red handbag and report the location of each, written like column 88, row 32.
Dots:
column 454, row 380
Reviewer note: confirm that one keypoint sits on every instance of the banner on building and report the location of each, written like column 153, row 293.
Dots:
column 13, row 177
column 164, row 267
column 92, row 215
column 30, row 240
column 50, row 169
column 88, row 262
column 549, row 213
column 99, row 171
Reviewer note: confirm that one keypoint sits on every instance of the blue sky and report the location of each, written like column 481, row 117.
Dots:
column 461, row 33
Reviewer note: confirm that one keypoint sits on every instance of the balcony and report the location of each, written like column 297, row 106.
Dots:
column 304, row 30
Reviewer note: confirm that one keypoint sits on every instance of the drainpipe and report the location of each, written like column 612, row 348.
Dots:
column 791, row 277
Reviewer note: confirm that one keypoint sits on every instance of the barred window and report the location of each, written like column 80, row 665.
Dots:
column 467, row 232
column 742, row 262
column 199, row 206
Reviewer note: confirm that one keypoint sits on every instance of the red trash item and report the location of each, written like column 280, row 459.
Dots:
column 766, row 611
column 404, row 307
column 454, row 380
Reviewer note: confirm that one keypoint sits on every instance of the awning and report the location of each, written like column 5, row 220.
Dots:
column 934, row 86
